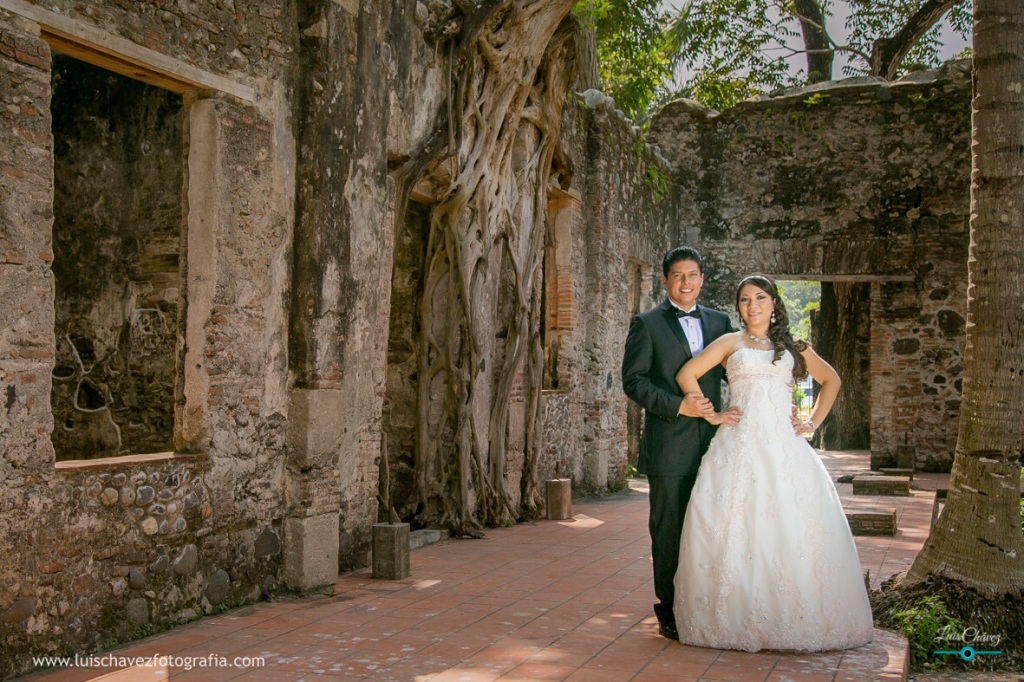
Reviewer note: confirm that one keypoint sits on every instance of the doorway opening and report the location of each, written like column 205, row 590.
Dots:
column 834, row 316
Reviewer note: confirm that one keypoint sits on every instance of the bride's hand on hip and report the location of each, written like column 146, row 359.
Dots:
column 729, row 417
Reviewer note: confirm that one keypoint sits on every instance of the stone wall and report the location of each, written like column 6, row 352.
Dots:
column 374, row 89
column 104, row 550
column 857, row 180
column 288, row 116
column 612, row 231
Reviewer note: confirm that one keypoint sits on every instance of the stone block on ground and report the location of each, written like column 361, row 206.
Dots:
column 423, row 537
column 391, row 551
column 311, row 552
column 881, row 460
column 881, row 485
column 872, row 521
column 559, row 498
column 897, row 471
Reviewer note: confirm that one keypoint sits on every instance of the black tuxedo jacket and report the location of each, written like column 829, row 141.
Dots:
column 656, row 347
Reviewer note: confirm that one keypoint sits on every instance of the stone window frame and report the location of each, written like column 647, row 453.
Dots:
column 198, row 89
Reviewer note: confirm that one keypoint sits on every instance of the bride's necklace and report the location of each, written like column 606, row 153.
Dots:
column 759, row 340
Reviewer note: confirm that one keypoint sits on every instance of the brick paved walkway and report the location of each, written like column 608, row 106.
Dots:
column 554, row 600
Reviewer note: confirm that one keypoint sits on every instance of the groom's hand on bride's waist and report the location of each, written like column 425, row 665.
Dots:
column 696, row 405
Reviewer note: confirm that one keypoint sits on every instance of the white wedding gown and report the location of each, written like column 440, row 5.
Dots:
column 767, row 560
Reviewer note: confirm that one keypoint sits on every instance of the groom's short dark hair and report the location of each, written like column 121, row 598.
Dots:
column 681, row 253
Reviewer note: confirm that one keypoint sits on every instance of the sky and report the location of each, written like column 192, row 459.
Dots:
column 952, row 43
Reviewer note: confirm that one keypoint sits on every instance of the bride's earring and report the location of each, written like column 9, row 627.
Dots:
column 773, row 318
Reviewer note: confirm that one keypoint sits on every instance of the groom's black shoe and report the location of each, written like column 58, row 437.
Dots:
column 668, row 630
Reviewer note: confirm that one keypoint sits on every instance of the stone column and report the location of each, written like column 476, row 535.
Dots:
column 344, row 239
column 26, row 283
column 26, row 316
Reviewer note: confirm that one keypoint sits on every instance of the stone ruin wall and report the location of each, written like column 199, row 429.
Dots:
column 102, row 551
column 614, row 229
column 849, row 181
column 280, row 492
column 888, row 170
column 286, row 258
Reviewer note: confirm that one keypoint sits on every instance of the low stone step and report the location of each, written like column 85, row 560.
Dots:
column 423, row 537
column 896, row 471
column 872, row 521
column 881, row 485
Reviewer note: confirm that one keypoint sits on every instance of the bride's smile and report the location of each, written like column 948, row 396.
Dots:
column 755, row 307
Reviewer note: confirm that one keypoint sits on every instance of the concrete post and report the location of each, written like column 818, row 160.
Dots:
column 391, row 551
column 559, row 498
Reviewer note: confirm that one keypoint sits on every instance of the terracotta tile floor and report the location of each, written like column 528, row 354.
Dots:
column 555, row 600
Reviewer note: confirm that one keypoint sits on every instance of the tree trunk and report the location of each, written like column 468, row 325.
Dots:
column 977, row 539
column 480, row 311
column 586, row 49
column 819, row 52
column 841, row 335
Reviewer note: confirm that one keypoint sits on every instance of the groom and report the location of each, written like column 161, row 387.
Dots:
column 675, row 434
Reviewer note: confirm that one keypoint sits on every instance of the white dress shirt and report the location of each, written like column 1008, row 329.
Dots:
column 693, row 331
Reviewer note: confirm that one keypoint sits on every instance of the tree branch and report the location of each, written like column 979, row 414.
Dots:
column 887, row 53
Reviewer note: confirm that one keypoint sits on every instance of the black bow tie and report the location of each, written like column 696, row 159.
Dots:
column 682, row 313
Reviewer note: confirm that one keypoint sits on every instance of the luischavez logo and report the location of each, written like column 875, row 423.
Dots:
column 972, row 641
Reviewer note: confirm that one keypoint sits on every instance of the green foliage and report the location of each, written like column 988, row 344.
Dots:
column 657, row 181
column 922, row 99
column 921, row 624
column 726, row 44
column 966, row 53
column 736, row 48
column 816, row 99
column 143, row 631
column 802, row 329
column 870, row 20
column 800, row 297
column 632, row 58
column 718, row 89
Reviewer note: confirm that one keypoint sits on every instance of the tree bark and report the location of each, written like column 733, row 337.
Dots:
column 586, row 49
column 887, row 53
column 977, row 539
column 819, row 51
column 480, row 311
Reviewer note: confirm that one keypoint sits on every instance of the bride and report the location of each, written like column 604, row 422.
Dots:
column 767, row 560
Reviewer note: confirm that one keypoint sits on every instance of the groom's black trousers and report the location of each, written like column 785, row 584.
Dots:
column 669, row 497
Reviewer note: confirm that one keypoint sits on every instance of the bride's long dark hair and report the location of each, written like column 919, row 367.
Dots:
column 778, row 331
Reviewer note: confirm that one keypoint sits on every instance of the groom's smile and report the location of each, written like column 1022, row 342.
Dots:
column 683, row 283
